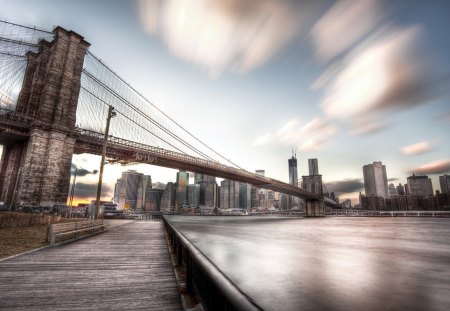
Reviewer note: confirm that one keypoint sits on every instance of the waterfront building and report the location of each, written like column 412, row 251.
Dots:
column 211, row 194
column 153, row 200
column 229, row 194
column 392, row 190
column 131, row 189
column 168, row 198
column 254, row 197
column 181, row 193
column 313, row 165
column 145, row 186
column 375, row 180
column 444, row 182
column 283, row 201
column 193, row 195
column 420, row 185
column 204, row 180
column 245, row 195
column 401, row 189
column 372, row 202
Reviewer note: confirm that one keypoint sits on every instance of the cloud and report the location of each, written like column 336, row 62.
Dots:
column 86, row 191
column 372, row 68
column 418, row 148
column 345, row 186
column 369, row 127
column 436, row 167
column 312, row 136
column 344, row 23
column 222, row 35
column 393, row 179
column 81, row 171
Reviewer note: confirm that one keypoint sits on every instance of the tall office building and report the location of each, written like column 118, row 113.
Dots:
column 153, row 200
column 420, row 185
column 392, row 190
column 245, row 195
column 182, row 182
column 211, row 191
column 229, row 194
column 168, row 198
column 130, row 190
column 204, row 180
column 313, row 166
column 375, row 180
column 193, row 195
column 293, row 174
column 444, row 182
column 401, row 189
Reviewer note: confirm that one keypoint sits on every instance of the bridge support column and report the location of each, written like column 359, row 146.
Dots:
column 315, row 208
column 37, row 172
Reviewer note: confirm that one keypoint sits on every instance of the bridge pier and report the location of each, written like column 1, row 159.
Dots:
column 314, row 208
column 36, row 171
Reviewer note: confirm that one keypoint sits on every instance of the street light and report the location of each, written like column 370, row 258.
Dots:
column 111, row 114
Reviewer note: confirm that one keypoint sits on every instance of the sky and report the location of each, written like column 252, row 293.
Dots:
column 348, row 82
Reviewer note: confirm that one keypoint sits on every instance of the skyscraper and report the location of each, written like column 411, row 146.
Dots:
column 444, row 181
column 245, row 195
column 392, row 190
column 375, row 180
column 313, row 166
column 168, row 198
column 182, row 182
column 420, row 185
column 193, row 195
column 229, row 194
column 131, row 190
column 204, row 180
column 293, row 176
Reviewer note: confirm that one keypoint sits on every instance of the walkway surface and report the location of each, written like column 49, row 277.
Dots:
column 126, row 268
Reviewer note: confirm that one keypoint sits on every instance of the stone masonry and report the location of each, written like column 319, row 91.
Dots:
column 37, row 172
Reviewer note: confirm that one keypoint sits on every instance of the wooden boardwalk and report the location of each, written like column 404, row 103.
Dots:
column 126, row 268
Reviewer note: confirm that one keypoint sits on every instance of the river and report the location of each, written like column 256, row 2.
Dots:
column 332, row 263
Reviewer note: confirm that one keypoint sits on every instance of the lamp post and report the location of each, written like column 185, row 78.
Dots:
column 111, row 114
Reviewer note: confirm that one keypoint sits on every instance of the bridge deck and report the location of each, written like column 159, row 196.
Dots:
column 126, row 268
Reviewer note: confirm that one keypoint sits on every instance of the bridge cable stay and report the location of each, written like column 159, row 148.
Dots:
column 148, row 118
column 159, row 111
column 15, row 42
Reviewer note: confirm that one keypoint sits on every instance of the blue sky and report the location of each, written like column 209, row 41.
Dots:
column 347, row 82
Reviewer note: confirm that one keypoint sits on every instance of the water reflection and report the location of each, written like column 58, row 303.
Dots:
column 331, row 263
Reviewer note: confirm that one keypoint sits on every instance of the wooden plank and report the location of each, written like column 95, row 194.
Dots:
column 125, row 268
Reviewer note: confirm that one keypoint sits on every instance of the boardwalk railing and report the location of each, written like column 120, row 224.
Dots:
column 216, row 290
column 355, row 213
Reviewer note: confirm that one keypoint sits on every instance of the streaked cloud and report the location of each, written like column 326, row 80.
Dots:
column 417, row 148
column 436, row 167
column 345, row 186
column 365, row 128
column 222, row 35
column 87, row 191
column 342, row 25
column 313, row 135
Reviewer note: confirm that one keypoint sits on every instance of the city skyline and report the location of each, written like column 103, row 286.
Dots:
column 290, row 95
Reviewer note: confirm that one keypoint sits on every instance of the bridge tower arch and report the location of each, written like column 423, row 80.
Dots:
column 36, row 170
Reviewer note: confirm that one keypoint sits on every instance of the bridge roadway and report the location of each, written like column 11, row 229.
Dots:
column 125, row 268
column 126, row 151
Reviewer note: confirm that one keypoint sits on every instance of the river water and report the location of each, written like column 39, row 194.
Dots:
column 333, row 263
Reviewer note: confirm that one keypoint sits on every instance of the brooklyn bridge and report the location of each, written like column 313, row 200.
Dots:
column 55, row 99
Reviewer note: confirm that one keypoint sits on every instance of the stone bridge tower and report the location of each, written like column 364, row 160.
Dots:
column 36, row 171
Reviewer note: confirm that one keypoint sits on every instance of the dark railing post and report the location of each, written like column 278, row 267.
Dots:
column 189, row 274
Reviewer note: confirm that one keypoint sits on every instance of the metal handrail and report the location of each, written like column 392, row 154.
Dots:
column 233, row 295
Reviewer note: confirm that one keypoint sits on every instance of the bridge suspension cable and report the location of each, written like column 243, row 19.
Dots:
column 144, row 116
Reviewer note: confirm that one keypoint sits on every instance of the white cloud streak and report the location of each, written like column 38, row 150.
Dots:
column 418, row 148
column 222, row 35
column 313, row 135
